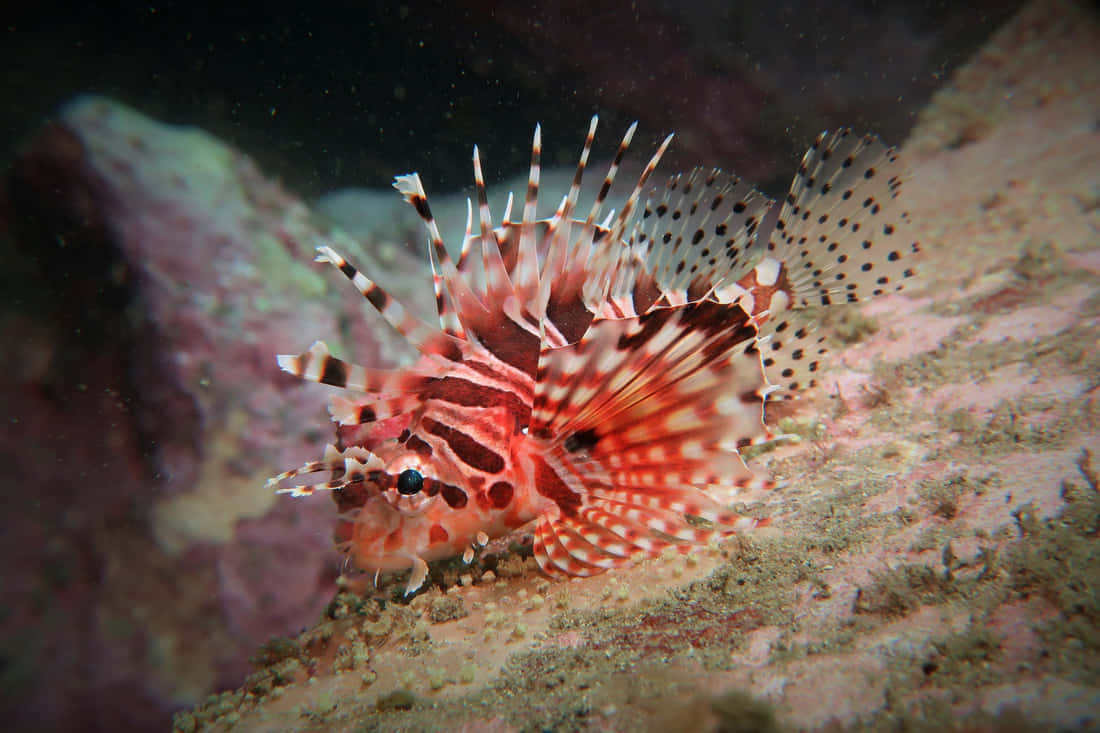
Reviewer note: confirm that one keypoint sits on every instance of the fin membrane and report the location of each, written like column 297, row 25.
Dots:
column 702, row 232
column 639, row 420
column 842, row 234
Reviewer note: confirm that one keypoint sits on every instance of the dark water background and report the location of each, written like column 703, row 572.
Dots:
column 326, row 97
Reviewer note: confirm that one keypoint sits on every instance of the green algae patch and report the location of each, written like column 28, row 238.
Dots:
column 849, row 325
column 1057, row 559
column 898, row 592
column 963, row 660
column 446, row 608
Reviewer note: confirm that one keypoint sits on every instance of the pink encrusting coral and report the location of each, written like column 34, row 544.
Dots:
column 173, row 269
column 199, row 240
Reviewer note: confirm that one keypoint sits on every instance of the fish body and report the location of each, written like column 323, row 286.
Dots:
column 597, row 379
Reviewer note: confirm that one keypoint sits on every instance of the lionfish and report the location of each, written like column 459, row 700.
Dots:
column 598, row 378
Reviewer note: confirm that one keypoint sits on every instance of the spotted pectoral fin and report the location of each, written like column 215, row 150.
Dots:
column 639, row 424
column 843, row 234
column 793, row 351
column 700, row 229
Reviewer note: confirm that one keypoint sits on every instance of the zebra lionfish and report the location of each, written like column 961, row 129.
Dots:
column 598, row 378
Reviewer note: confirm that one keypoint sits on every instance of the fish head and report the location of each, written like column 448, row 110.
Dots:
column 400, row 506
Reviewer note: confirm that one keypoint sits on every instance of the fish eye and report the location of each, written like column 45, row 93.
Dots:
column 410, row 482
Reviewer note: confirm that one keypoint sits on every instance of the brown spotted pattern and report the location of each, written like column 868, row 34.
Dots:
column 843, row 231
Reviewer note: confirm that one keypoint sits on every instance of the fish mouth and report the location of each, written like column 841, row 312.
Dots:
column 374, row 493
column 408, row 506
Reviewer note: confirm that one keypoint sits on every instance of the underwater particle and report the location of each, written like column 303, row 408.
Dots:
column 368, row 678
column 890, row 450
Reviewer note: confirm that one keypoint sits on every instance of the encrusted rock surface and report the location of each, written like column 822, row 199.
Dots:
column 155, row 276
